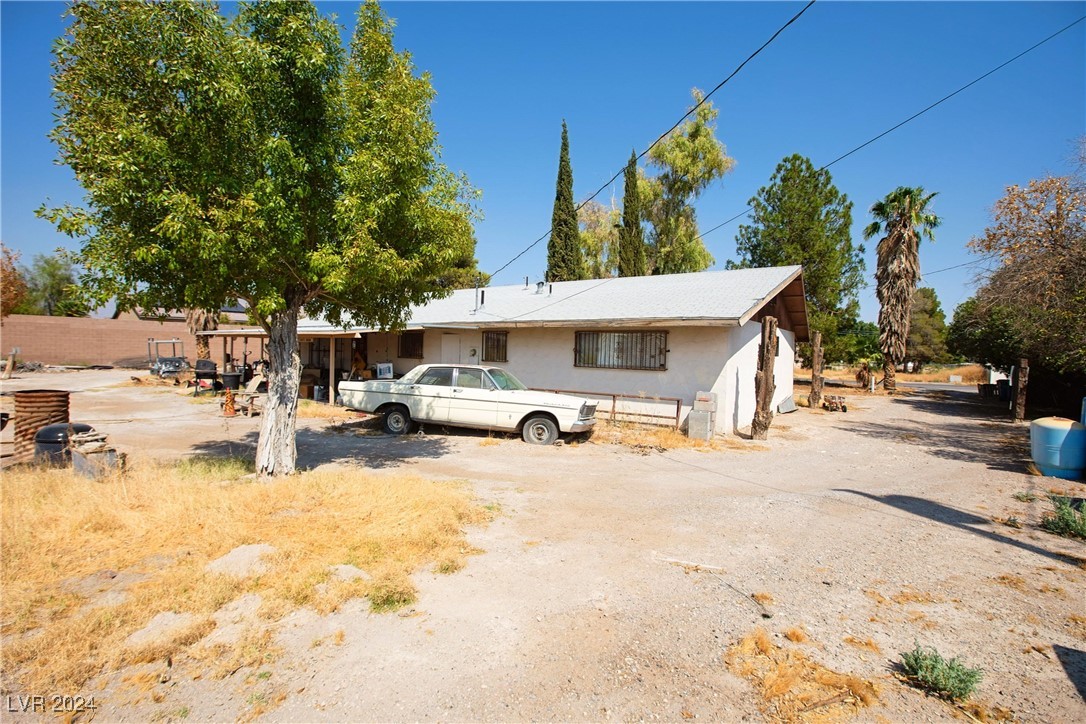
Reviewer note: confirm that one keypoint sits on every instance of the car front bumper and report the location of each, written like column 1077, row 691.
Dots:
column 583, row 425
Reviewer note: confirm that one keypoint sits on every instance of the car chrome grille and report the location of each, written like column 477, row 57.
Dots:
column 588, row 411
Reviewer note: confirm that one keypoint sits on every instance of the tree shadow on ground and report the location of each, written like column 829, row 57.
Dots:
column 959, row 403
column 960, row 519
column 1074, row 664
column 997, row 444
column 339, row 445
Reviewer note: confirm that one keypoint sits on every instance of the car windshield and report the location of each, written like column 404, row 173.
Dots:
column 506, row 381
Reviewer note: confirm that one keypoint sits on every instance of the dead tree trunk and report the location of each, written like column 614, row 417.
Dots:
column 763, row 381
column 1021, row 379
column 276, row 453
column 815, row 398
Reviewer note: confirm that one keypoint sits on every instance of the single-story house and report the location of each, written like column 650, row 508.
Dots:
column 646, row 344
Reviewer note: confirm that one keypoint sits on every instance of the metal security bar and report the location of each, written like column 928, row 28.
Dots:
column 495, row 346
column 621, row 350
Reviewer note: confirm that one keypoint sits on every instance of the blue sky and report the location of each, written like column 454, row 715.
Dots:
column 620, row 73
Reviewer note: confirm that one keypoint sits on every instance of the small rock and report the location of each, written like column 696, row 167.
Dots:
column 243, row 561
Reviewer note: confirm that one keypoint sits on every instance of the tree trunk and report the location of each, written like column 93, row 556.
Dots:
column 1021, row 379
column 889, row 375
column 202, row 320
column 764, row 386
column 815, row 398
column 276, row 452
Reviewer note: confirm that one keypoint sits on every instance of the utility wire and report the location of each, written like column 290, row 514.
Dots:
column 665, row 133
column 913, row 117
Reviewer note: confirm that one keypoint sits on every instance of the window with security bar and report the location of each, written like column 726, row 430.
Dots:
column 621, row 350
column 495, row 346
column 410, row 345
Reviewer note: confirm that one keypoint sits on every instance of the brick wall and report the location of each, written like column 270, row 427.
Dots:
column 84, row 341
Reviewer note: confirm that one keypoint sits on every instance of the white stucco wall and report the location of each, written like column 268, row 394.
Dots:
column 719, row 359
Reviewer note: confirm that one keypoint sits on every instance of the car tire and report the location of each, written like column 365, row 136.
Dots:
column 539, row 430
column 398, row 420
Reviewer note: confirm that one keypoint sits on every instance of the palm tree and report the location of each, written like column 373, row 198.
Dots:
column 202, row 320
column 904, row 218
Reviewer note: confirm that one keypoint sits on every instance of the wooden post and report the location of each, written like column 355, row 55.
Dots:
column 763, row 381
column 816, row 372
column 1021, row 379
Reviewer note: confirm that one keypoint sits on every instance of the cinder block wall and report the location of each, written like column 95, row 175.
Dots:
column 84, row 341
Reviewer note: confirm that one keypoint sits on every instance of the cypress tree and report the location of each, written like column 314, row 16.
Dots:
column 631, row 238
column 564, row 259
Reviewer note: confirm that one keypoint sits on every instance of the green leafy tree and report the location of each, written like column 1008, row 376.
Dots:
column 927, row 330
column 903, row 217
column 631, row 237
column 856, row 341
column 599, row 238
column 51, row 288
column 801, row 218
column 255, row 159
column 984, row 333
column 13, row 288
column 688, row 161
column 564, row 259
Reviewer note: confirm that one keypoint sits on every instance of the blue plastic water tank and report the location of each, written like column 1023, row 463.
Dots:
column 1058, row 447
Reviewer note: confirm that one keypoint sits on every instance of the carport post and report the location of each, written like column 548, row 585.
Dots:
column 331, row 370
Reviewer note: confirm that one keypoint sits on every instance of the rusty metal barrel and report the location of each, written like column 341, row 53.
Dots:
column 34, row 409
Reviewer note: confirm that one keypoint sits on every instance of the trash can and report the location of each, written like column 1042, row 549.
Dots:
column 320, row 393
column 51, row 441
column 231, row 380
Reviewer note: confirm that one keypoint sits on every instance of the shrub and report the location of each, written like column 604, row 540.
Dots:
column 1065, row 520
column 929, row 670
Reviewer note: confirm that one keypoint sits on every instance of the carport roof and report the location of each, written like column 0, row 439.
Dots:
column 715, row 298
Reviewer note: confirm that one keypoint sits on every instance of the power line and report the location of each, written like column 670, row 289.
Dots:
column 981, row 260
column 665, row 133
column 913, row 117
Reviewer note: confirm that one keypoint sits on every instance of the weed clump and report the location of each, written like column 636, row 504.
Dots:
column 949, row 679
column 1064, row 519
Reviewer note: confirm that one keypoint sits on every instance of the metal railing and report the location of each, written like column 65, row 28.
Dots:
column 675, row 419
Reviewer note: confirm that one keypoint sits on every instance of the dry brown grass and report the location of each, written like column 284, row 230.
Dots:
column 796, row 635
column 795, row 688
column 763, row 598
column 310, row 410
column 166, row 523
column 910, row 595
column 661, row 438
column 1077, row 624
column 1012, row 581
column 868, row 643
column 970, row 374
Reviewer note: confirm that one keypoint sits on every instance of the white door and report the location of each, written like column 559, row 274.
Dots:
column 474, row 400
column 450, row 349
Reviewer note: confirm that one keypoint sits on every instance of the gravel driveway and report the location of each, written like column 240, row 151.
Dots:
column 614, row 580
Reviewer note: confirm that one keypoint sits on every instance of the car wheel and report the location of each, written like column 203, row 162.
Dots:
column 398, row 421
column 540, row 431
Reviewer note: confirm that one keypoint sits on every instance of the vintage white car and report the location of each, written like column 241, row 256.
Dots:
column 488, row 398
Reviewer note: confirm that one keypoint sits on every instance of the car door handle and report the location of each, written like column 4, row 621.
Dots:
column 458, row 389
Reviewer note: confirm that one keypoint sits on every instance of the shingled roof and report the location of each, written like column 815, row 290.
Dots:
column 715, row 298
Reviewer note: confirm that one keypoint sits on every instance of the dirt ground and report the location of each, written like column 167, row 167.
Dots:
column 614, row 581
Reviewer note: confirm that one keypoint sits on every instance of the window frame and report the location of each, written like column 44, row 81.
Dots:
column 406, row 346
column 503, row 352
column 615, row 345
